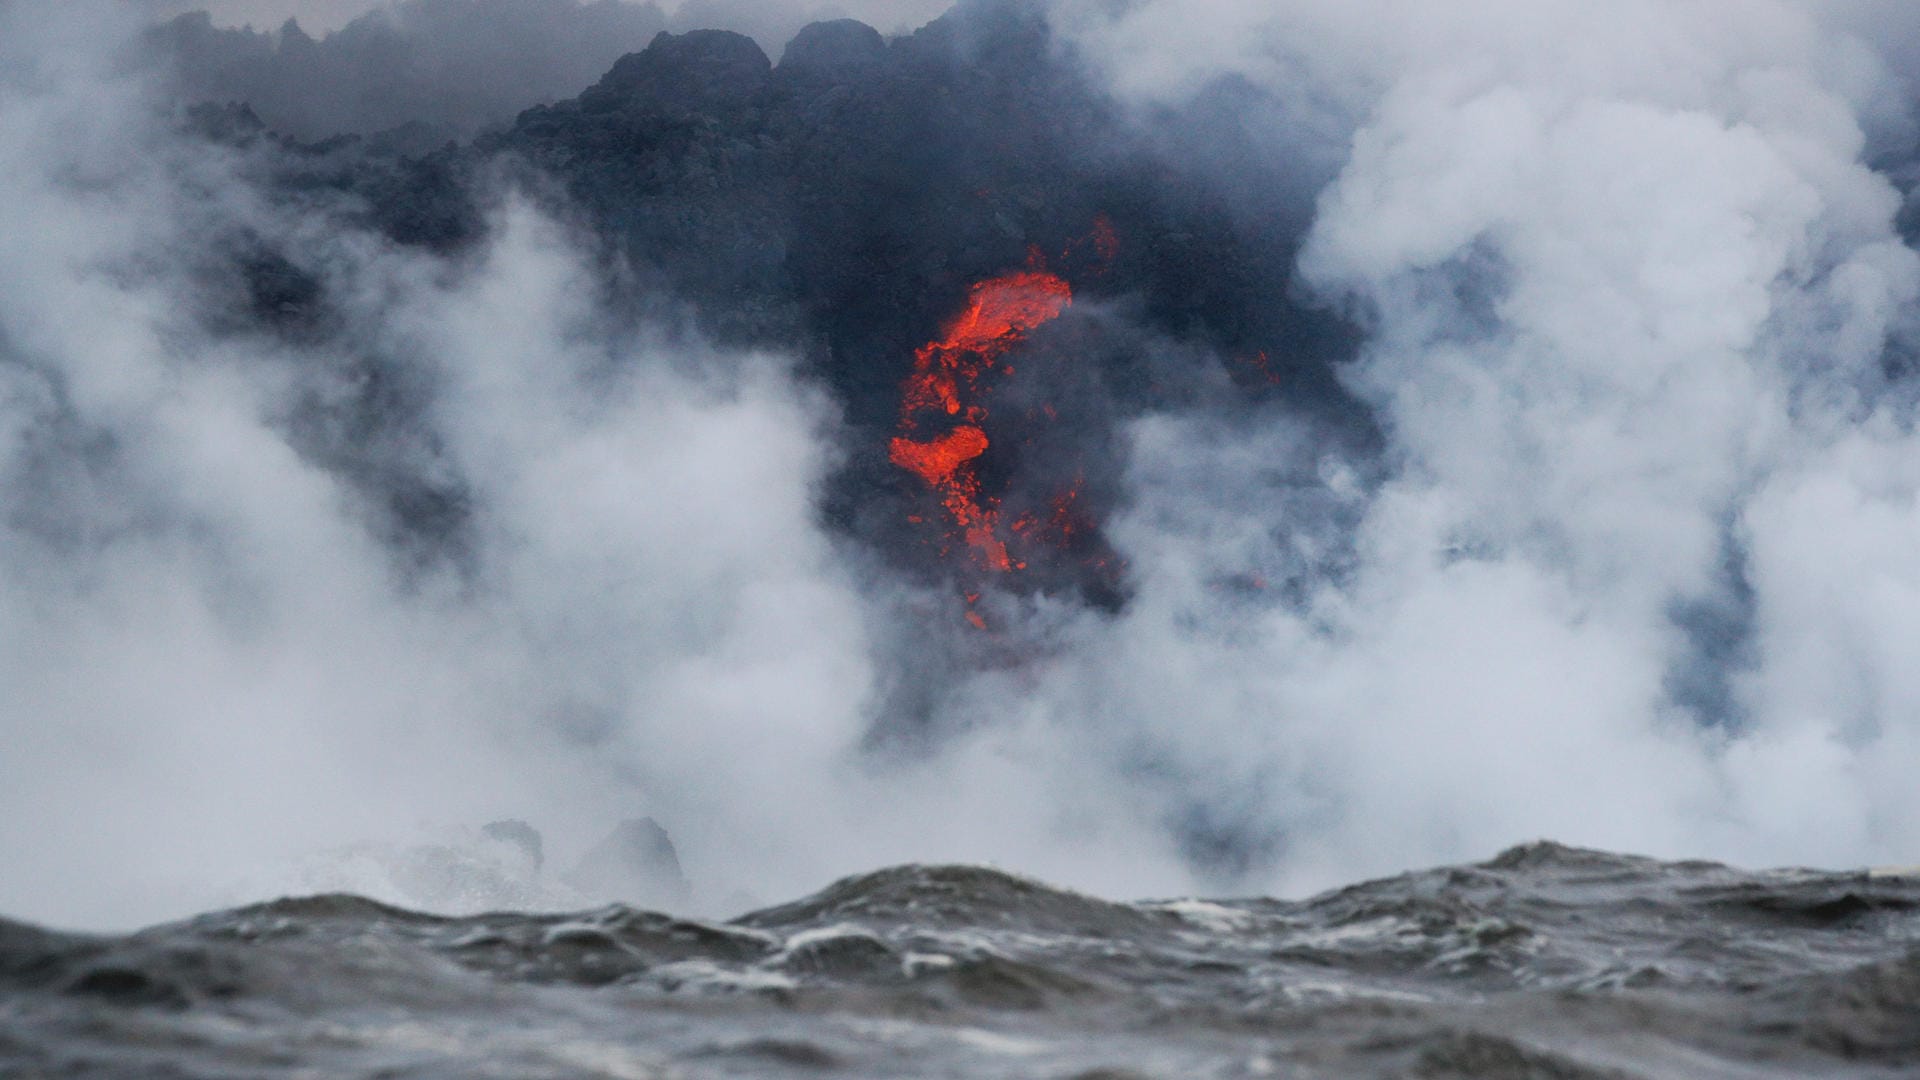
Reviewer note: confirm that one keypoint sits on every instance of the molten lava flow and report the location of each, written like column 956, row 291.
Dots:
column 942, row 432
column 937, row 461
column 947, row 383
column 999, row 310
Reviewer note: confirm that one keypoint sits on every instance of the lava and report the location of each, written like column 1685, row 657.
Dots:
column 999, row 310
column 943, row 424
column 936, row 462
column 947, row 386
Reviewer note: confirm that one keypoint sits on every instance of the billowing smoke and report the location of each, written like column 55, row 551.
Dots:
column 457, row 544
column 210, row 653
column 1498, row 422
column 1635, row 310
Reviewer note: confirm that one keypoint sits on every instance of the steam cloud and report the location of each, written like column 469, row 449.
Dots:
column 1630, row 292
column 1630, row 564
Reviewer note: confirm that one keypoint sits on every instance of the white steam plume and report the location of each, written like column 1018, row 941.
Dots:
column 1634, row 569
column 221, row 682
column 1640, row 574
column 209, row 660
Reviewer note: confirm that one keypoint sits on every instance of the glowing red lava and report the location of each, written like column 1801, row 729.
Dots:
column 947, row 383
column 942, row 431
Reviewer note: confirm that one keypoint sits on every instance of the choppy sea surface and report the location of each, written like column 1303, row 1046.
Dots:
column 1545, row 962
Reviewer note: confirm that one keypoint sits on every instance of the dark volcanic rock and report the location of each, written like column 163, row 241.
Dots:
column 847, row 199
column 842, row 204
column 695, row 71
column 836, row 46
column 839, row 207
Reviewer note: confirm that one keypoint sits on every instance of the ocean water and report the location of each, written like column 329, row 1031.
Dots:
column 1545, row 962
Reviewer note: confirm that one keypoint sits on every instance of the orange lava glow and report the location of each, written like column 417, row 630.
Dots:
column 935, row 462
column 1001, row 309
column 947, row 386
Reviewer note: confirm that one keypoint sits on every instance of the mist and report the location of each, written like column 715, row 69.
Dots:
column 210, row 654
column 1610, row 544
column 227, row 678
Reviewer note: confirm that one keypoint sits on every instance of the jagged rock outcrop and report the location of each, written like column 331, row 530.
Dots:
column 703, row 70
column 848, row 196
column 834, row 47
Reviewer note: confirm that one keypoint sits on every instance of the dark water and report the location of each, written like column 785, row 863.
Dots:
column 1546, row 962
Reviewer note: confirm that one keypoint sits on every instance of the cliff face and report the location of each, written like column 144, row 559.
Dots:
column 840, row 205
column 849, row 195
